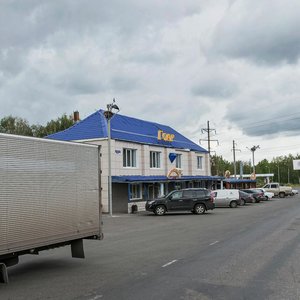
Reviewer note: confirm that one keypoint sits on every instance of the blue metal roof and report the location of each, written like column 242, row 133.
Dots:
column 128, row 179
column 126, row 129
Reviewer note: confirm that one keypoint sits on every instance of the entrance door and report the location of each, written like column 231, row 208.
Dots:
column 153, row 191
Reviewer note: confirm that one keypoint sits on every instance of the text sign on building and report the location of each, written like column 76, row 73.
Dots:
column 167, row 137
column 296, row 164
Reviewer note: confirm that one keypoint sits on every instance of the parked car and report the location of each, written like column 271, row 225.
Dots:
column 195, row 200
column 258, row 196
column 295, row 192
column 268, row 195
column 226, row 198
column 278, row 190
column 246, row 197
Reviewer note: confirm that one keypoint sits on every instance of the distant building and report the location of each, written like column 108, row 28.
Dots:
column 148, row 159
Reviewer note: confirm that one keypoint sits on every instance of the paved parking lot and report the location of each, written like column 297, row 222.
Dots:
column 249, row 252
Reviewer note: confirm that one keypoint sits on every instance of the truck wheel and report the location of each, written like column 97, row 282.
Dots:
column 281, row 195
column 233, row 204
column 160, row 210
column 199, row 209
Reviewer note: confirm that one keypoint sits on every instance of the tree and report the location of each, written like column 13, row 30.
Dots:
column 53, row 126
column 20, row 126
column 220, row 165
column 15, row 125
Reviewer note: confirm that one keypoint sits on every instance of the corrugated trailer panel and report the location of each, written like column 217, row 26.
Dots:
column 49, row 192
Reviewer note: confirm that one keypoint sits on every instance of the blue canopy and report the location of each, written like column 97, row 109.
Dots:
column 128, row 179
column 233, row 180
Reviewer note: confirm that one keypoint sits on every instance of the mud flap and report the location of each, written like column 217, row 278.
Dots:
column 3, row 273
column 77, row 249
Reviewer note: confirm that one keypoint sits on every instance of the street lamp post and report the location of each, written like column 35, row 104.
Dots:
column 109, row 115
column 253, row 149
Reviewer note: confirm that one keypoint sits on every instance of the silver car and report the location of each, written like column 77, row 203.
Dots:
column 226, row 198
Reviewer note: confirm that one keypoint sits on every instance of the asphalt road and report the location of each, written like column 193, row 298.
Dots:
column 250, row 252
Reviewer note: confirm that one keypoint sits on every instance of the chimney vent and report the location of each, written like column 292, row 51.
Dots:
column 76, row 116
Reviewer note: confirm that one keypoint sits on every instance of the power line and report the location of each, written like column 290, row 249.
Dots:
column 278, row 118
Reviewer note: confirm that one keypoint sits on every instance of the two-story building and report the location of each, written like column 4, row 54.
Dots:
column 148, row 159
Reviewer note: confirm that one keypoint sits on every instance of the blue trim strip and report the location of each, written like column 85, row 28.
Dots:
column 123, row 179
column 239, row 180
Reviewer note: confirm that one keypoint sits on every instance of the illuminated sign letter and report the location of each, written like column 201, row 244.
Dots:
column 167, row 137
column 159, row 134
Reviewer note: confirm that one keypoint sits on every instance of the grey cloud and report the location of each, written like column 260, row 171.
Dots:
column 28, row 22
column 33, row 100
column 267, row 121
column 262, row 31
column 215, row 81
column 12, row 61
column 214, row 89
column 123, row 83
column 79, row 85
column 152, row 57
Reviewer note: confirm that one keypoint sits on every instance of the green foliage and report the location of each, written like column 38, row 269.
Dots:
column 281, row 167
column 19, row 126
column 15, row 125
column 53, row 126
column 220, row 165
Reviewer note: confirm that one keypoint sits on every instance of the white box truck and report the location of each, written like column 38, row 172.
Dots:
column 49, row 197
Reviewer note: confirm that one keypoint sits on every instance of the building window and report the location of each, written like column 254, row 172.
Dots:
column 200, row 162
column 135, row 191
column 178, row 160
column 129, row 158
column 154, row 159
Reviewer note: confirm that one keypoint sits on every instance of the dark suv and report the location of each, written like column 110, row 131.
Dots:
column 195, row 200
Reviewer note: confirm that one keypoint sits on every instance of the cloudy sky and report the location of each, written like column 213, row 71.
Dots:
column 180, row 63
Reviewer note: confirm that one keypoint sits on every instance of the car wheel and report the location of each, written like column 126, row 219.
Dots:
column 281, row 195
column 233, row 204
column 199, row 209
column 242, row 202
column 253, row 200
column 160, row 210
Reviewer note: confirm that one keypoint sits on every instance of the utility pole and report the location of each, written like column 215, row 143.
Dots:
column 234, row 162
column 208, row 130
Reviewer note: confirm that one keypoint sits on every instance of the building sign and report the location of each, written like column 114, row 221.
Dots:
column 174, row 173
column 167, row 137
column 296, row 164
column 172, row 157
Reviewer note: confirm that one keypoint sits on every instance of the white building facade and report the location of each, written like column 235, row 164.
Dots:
column 148, row 160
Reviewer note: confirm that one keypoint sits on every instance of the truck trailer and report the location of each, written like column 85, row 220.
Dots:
column 49, row 197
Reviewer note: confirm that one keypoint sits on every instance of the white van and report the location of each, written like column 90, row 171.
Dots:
column 226, row 198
